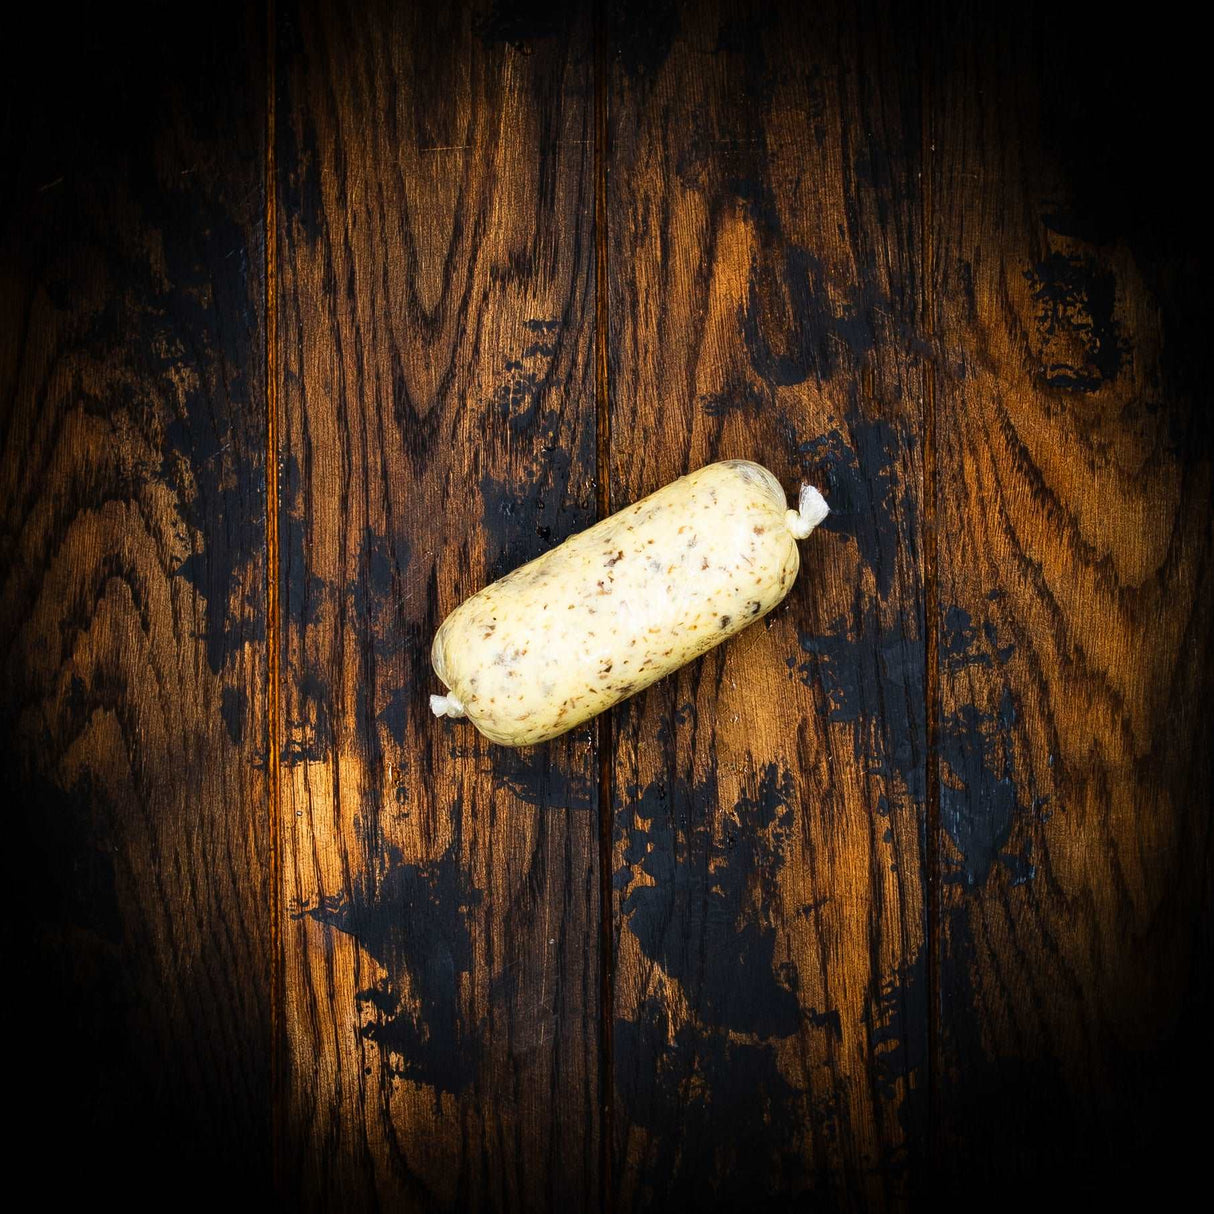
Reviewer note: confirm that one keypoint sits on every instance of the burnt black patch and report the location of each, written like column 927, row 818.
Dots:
column 962, row 644
column 868, row 500
column 225, row 538
column 831, row 1021
column 417, row 638
column 873, row 679
column 874, row 166
column 1019, row 864
column 725, row 143
column 897, row 1027
column 304, row 592
column 897, row 1024
column 412, row 918
column 743, row 397
column 215, row 470
column 529, row 512
column 394, row 715
column 979, row 801
column 233, row 708
column 519, row 399
column 374, row 593
column 527, row 517
column 725, row 887
column 724, row 1121
column 641, row 34
column 539, row 776
column 518, row 402
column 197, row 337
column 297, row 151
column 1080, row 346
column 796, row 324
column 519, row 23
column 309, row 730
column 379, row 564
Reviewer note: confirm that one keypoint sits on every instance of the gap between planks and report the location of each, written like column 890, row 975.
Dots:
column 931, row 608
column 606, row 796
column 273, row 620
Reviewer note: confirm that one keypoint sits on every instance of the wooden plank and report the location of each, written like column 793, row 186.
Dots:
column 770, row 1030
column 1075, row 608
column 437, row 422
column 132, row 581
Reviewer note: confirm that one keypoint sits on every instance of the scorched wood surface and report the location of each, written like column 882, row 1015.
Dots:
column 316, row 318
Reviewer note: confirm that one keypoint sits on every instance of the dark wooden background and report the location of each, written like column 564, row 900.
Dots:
column 314, row 319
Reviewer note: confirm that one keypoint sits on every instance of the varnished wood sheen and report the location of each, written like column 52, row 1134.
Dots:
column 900, row 899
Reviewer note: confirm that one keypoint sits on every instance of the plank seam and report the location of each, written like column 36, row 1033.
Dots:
column 606, row 794
column 273, row 628
column 931, row 610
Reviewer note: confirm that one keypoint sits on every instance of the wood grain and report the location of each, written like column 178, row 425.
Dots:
column 1074, row 553
column 903, row 896
column 437, row 422
column 132, row 498
column 770, row 1001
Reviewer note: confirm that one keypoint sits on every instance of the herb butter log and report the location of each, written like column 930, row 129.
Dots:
column 622, row 604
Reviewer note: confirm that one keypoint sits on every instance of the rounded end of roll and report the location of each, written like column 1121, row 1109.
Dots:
column 811, row 510
column 447, row 706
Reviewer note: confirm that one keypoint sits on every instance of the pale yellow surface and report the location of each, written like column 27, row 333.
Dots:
column 620, row 605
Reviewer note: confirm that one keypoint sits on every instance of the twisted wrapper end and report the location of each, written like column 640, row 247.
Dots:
column 811, row 510
column 447, row 706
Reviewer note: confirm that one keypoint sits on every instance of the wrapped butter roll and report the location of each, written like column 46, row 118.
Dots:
column 622, row 604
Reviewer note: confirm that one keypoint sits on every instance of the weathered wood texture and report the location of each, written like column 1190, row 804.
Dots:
column 132, row 498
column 908, row 887
column 437, row 427
column 1074, row 554
column 770, row 1004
